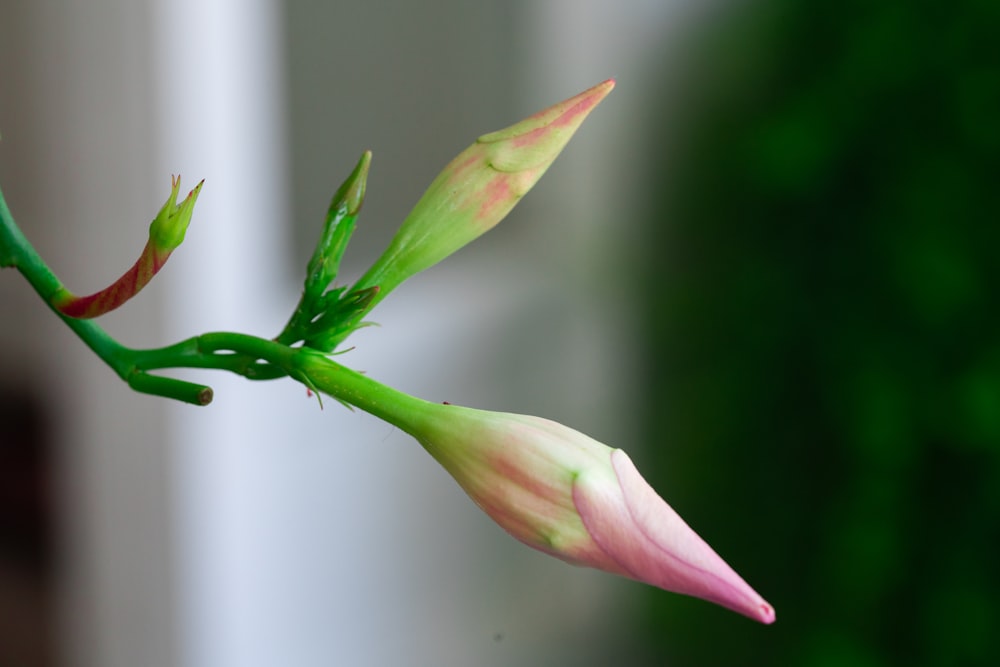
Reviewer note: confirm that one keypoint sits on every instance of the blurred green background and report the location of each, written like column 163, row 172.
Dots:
column 822, row 331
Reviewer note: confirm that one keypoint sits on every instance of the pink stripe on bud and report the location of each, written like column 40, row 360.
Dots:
column 570, row 496
column 479, row 188
column 166, row 232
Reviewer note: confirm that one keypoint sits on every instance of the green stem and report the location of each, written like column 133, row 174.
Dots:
column 349, row 386
column 249, row 356
column 17, row 252
column 238, row 353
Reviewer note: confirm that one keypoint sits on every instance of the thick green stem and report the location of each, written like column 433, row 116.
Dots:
column 390, row 405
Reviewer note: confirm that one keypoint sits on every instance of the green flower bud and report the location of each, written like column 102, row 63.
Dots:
column 479, row 188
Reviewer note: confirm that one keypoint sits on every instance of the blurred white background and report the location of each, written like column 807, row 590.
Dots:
column 261, row 530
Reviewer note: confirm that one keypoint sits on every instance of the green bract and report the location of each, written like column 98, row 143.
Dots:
column 167, row 230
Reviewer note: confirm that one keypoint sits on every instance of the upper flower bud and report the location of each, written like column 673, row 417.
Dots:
column 478, row 188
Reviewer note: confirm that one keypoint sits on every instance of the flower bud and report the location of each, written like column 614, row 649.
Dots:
column 478, row 188
column 330, row 315
column 166, row 232
column 566, row 494
column 552, row 488
column 340, row 223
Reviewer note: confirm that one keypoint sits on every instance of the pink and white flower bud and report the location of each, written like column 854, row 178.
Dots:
column 568, row 495
column 551, row 487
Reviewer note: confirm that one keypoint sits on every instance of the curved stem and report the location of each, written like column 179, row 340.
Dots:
column 17, row 252
column 249, row 356
column 238, row 353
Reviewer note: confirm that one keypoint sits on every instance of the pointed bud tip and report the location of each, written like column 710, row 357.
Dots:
column 600, row 91
column 531, row 145
column 766, row 614
column 361, row 298
column 568, row 113
column 571, row 113
column 352, row 192
column 588, row 98
column 669, row 555
column 361, row 169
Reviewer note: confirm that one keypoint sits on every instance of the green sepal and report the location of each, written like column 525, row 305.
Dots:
column 317, row 302
column 341, row 319
column 341, row 220
column 167, row 229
